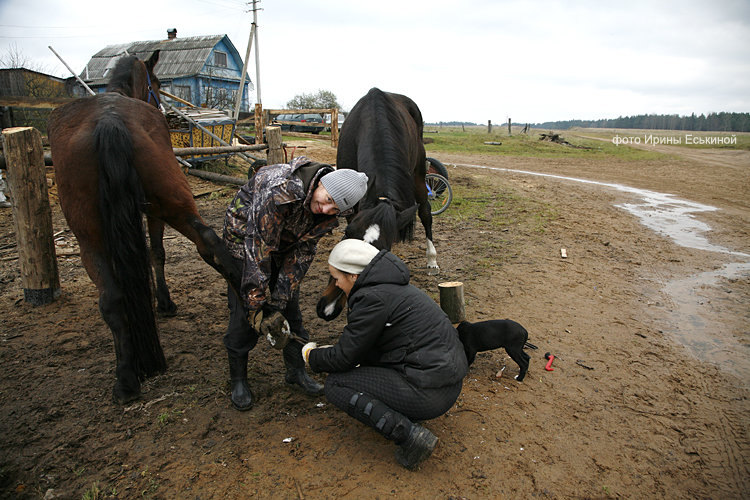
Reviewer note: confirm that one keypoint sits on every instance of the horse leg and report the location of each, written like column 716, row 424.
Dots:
column 164, row 304
column 425, row 215
column 210, row 247
column 332, row 302
column 127, row 384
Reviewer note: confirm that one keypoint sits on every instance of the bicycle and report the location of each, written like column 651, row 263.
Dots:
column 439, row 190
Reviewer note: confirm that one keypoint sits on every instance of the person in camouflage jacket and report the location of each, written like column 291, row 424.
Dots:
column 272, row 228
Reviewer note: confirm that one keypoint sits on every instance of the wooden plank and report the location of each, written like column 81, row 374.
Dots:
column 34, row 102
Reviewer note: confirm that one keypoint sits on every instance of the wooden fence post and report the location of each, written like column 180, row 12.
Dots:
column 258, row 122
column 452, row 300
column 273, row 139
column 32, row 214
column 334, row 127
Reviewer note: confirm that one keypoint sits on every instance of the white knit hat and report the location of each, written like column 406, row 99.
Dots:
column 352, row 255
column 346, row 187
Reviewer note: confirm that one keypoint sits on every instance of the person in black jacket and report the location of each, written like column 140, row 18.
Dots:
column 399, row 359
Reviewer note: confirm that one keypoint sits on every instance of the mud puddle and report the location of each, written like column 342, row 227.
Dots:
column 695, row 321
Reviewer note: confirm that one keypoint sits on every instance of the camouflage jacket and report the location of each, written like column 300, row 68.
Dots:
column 270, row 227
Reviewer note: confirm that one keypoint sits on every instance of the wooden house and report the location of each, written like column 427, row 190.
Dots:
column 203, row 70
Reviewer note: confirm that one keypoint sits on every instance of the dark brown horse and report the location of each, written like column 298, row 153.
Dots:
column 113, row 163
column 382, row 137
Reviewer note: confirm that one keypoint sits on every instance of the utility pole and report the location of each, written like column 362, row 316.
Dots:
column 257, row 56
column 253, row 36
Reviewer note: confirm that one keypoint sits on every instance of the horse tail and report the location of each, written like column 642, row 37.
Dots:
column 121, row 197
column 394, row 226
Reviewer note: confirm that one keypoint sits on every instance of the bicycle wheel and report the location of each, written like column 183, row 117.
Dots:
column 439, row 193
column 436, row 167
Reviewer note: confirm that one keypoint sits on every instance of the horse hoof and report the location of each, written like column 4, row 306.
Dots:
column 168, row 311
column 122, row 398
column 432, row 271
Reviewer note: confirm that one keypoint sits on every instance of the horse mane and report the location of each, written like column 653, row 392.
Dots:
column 121, row 80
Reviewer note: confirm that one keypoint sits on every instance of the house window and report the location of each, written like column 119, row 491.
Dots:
column 220, row 59
column 183, row 92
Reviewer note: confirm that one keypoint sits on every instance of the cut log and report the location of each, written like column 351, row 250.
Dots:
column 452, row 300
column 32, row 215
column 212, row 176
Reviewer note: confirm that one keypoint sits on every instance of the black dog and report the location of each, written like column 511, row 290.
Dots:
column 492, row 334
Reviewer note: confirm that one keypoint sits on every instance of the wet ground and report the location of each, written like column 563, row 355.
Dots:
column 628, row 411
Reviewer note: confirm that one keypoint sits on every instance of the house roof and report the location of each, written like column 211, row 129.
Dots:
column 179, row 57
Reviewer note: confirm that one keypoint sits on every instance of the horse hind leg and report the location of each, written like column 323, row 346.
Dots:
column 425, row 215
column 164, row 304
column 112, row 307
column 127, row 386
column 212, row 250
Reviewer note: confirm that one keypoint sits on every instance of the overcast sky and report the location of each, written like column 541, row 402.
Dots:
column 464, row 60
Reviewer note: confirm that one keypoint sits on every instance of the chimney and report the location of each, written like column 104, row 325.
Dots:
column 171, row 34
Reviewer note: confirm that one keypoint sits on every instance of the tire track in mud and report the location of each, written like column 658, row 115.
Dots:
column 730, row 448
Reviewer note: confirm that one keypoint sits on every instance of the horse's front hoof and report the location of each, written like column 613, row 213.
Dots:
column 126, row 390
column 121, row 397
column 166, row 308
column 433, row 270
column 167, row 311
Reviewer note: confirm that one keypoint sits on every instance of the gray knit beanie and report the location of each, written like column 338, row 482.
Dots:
column 346, row 187
column 352, row 255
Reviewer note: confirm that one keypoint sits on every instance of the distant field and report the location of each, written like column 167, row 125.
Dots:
column 474, row 139
column 584, row 143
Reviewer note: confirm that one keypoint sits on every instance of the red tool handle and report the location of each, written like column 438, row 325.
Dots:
column 551, row 358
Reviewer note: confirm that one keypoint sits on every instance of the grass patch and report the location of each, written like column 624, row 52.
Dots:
column 499, row 213
column 169, row 416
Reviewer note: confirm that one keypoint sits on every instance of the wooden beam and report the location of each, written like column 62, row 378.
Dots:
column 174, row 97
column 34, row 102
column 218, row 150
column 301, row 110
column 212, row 176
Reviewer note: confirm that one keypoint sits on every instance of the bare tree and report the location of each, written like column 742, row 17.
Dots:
column 15, row 58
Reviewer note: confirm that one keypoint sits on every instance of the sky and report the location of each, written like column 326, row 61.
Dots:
column 459, row 60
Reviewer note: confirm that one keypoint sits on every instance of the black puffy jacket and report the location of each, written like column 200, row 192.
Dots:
column 394, row 324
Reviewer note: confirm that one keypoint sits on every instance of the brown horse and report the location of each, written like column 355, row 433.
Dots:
column 113, row 163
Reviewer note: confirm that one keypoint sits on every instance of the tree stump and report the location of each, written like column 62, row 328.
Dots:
column 452, row 300
column 32, row 215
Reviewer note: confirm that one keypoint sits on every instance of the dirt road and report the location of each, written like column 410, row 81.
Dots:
column 631, row 410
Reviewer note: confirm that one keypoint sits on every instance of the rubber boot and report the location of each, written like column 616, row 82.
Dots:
column 415, row 443
column 295, row 370
column 417, row 447
column 242, row 397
